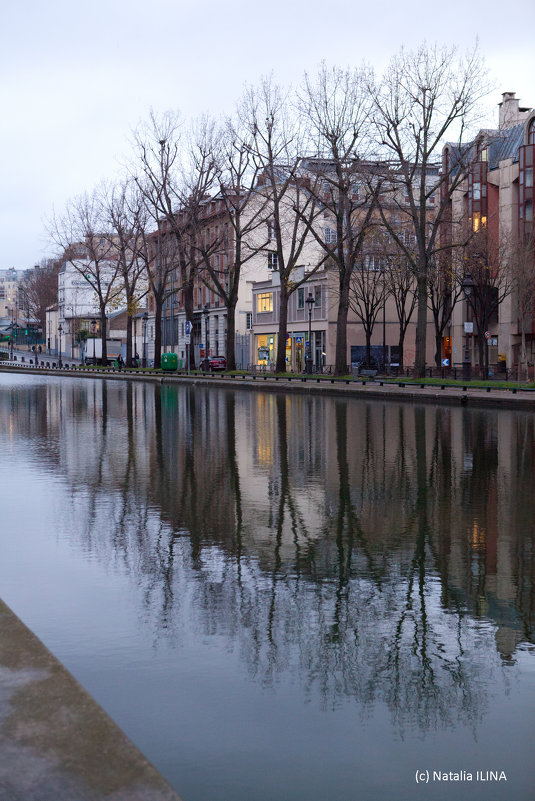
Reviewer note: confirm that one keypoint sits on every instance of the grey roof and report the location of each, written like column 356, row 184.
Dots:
column 505, row 145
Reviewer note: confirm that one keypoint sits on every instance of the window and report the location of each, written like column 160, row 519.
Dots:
column 330, row 236
column 301, row 298
column 317, row 297
column 531, row 133
column 273, row 261
column 264, row 302
column 249, row 321
column 271, row 230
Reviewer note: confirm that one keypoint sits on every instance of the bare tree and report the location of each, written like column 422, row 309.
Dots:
column 81, row 235
column 176, row 179
column 491, row 281
column 424, row 97
column 39, row 287
column 292, row 208
column 401, row 289
column 242, row 220
column 126, row 223
column 336, row 106
column 445, row 290
column 368, row 291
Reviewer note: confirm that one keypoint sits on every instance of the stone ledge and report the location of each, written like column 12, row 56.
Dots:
column 56, row 742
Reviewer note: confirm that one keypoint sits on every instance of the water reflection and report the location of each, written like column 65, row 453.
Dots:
column 369, row 551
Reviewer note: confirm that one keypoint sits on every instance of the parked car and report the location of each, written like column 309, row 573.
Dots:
column 217, row 363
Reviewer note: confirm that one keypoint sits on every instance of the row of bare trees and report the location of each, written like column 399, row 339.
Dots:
column 346, row 151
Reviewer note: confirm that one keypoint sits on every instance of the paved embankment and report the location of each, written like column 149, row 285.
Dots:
column 511, row 398
column 56, row 743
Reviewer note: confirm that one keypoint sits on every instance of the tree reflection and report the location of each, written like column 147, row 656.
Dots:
column 362, row 548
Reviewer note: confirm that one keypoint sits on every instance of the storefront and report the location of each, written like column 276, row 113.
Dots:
column 265, row 350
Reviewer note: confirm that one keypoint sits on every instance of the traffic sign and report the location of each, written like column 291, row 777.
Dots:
column 187, row 339
column 187, row 328
column 487, row 334
column 445, row 362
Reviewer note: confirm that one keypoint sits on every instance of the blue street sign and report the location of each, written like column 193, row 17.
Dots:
column 201, row 346
column 187, row 328
column 445, row 362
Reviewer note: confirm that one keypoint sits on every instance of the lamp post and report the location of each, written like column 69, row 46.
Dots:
column 12, row 337
column 206, row 313
column 467, row 287
column 145, row 319
column 93, row 329
column 310, row 303
column 60, row 332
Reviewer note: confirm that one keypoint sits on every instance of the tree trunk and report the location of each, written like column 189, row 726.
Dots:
column 340, row 359
column 188, row 307
column 480, row 350
column 231, row 337
column 280, row 365
column 103, row 334
column 128, row 341
column 438, row 349
column 421, row 327
column 157, row 334
column 368, row 336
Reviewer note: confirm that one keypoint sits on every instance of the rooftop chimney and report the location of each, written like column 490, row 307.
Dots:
column 510, row 111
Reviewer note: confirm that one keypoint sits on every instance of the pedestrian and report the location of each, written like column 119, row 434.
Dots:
column 120, row 362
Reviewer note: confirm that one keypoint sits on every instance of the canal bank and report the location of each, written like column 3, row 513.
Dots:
column 378, row 389
column 56, row 743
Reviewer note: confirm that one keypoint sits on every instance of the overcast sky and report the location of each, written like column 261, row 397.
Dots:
column 77, row 77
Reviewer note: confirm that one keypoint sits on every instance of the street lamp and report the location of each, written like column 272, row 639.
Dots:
column 60, row 332
column 310, row 303
column 145, row 319
column 12, row 337
column 206, row 313
column 467, row 286
column 93, row 329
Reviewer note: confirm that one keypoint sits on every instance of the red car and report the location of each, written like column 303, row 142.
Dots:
column 217, row 363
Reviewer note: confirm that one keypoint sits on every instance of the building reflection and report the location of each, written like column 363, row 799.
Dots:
column 378, row 551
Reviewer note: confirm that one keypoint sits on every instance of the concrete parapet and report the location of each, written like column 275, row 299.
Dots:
column 56, row 743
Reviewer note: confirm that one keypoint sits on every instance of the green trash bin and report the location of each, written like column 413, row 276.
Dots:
column 169, row 361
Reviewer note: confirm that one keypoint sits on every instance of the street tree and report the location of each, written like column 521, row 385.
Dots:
column 425, row 98
column 401, row 290
column 335, row 104
column 368, row 291
column 239, row 231
column 39, row 288
column 288, row 193
column 80, row 233
column 444, row 291
column 126, row 222
column 489, row 273
column 177, row 175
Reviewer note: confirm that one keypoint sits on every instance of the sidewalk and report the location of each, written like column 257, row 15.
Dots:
column 56, row 743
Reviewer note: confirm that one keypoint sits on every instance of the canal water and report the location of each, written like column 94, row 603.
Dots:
column 279, row 597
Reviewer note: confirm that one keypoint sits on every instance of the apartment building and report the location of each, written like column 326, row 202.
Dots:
column 493, row 207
